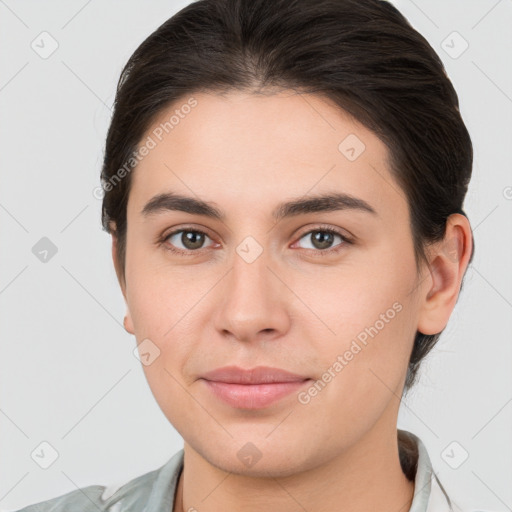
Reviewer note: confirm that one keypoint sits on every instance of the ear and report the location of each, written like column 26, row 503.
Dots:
column 128, row 323
column 449, row 259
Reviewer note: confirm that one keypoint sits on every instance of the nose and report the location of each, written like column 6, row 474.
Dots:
column 253, row 301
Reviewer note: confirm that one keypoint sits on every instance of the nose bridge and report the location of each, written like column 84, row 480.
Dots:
column 250, row 274
column 251, row 300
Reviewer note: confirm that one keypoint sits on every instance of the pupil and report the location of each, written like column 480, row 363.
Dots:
column 192, row 240
column 324, row 238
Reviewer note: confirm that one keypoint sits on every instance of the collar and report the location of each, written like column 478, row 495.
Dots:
column 429, row 494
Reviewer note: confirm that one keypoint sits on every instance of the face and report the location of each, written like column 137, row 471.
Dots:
column 327, row 291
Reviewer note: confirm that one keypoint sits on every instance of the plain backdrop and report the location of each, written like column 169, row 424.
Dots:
column 68, row 374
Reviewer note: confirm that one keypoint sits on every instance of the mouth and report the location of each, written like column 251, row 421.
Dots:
column 254, row 388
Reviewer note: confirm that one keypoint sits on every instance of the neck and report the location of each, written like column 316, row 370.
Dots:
column 366, row 476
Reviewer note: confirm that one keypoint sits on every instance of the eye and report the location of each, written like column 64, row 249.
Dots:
column 191, row 240
column 321, row 239
column 187, row 241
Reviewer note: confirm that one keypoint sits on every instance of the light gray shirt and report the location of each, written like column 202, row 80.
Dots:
column 155, row 491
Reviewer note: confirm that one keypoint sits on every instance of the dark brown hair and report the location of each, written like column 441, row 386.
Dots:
column 363, row 55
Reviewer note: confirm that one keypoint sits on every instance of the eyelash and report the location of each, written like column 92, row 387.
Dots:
column 316, row 252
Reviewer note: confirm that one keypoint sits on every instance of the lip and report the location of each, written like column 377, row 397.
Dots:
column 257, row 375
column 253, row 388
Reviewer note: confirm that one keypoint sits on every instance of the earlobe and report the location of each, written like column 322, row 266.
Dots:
column 448, row 263
column 128, row 324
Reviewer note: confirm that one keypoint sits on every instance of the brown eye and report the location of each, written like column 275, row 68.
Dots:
column 323, row 239
column 190, row 240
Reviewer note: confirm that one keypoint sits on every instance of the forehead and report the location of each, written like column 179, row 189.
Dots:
column 251, row 150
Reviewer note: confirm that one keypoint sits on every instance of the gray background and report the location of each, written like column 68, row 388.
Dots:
column 68, row 374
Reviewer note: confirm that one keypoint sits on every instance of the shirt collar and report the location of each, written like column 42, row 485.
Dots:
column 429, row 494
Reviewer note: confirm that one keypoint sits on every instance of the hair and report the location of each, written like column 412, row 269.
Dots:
column 363, row 55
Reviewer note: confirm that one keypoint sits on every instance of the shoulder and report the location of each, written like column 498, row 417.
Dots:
column 95, row 498
column 126, row 497
column 86, row 499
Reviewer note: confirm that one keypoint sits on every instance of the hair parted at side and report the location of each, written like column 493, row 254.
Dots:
column 363, row 55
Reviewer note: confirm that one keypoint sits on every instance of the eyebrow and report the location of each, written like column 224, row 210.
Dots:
column 319, row 203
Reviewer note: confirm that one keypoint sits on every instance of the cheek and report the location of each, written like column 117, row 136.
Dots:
column 170, row 393
column 363, row 372
column 154, row 298
column 371, row 319
column 352, row 302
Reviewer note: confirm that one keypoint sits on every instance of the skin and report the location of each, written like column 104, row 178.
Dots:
column 288, row 309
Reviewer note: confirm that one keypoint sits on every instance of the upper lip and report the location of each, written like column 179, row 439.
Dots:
column 257, row 375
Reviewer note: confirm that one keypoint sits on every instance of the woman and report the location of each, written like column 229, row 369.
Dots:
column 284, row 183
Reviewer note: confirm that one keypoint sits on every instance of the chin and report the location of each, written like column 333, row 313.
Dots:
column 266, row 467
column 263, row 458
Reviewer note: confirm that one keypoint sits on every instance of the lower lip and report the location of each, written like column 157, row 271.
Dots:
column 253, row 396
